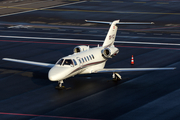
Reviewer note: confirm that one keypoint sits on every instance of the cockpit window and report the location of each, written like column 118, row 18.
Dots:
column 68, row 62
column 60, row 61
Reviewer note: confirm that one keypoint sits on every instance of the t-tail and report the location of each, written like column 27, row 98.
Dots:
column 111, row 35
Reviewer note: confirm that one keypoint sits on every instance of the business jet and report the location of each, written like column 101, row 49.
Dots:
column 86, row 60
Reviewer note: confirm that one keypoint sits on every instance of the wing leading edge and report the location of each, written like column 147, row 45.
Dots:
column 48, row 65
column 110, row 70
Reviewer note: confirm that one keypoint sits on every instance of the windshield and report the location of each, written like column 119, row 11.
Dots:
column 60, row 61
column 68, row 62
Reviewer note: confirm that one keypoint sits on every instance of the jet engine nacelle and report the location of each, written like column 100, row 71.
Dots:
column 81, row 48
column 110, row 52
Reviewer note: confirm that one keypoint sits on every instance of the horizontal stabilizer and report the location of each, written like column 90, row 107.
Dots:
column 92, row 21
column 134, row 23
column 48, row 65
column 110, row 70
column 120, row 23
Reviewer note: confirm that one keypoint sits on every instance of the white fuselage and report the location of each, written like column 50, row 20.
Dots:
column 85, row 62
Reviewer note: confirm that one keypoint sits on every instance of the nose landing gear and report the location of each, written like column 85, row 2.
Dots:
column 60, row 87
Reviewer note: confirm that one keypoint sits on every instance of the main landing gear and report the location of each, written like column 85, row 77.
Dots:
column 116, row 77
column 60, row 86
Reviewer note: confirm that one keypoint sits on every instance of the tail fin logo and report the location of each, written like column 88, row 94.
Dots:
column 111, row 37
column 113, row 27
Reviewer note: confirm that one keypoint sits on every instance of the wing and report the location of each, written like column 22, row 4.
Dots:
column 110, row 70
column 48, row 65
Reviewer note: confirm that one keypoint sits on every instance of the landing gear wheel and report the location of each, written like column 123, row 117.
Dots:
column 116, row 77
column 60, row 87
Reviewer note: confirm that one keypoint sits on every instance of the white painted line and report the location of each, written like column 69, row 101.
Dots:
column 93, row 31
column 175, row 34
column 46, row 29
column 157, row 34
column 124, row 32
column 118, row 1
column 148, row 43
column 42, row 8
column 141, row 33
column 77, row 30
column 61, row 30
column 99, row 35
column 65, row 39
column 31, row 28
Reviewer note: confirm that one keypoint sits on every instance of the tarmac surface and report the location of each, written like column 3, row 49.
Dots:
column 26, row 92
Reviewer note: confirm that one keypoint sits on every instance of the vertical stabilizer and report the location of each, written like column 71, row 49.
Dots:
column 110, row 37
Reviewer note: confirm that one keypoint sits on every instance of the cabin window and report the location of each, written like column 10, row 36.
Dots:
column 90, row 57
column 82, row 60
column 68, row 62
column 79, row 60
column 85, row 59
column 60, row 61
column 75, row 63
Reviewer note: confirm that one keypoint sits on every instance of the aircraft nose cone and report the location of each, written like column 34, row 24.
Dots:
column 57, row 73
column 52, row 76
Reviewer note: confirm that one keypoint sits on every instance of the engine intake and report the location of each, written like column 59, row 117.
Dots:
column 80, row 48
column 110, row 52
